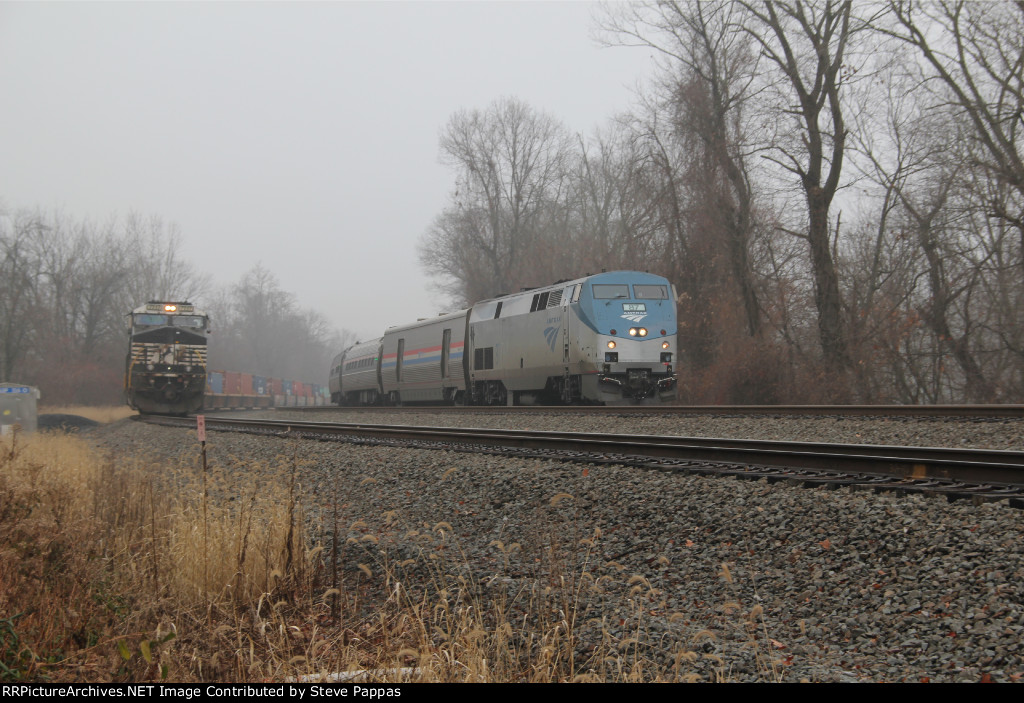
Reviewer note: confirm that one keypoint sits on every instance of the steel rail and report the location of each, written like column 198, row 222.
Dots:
column 939, row 411
column 977, row 466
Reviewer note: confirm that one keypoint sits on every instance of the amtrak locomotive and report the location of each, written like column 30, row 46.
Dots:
column 165, row 372
column 604, row 339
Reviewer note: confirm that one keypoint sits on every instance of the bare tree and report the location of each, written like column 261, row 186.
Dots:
column 807, row 44
column 614, row 191
column 65, row 286
column 260, row 329
column 706, row 81
column 976, row 51
column 104, row 269
column 512, row 163
column 450, row 251
column 919, row 158
column 18, row 282
column 157, row 271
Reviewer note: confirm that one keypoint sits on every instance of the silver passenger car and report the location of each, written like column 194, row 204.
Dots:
column 359, row 374
column 422, row 362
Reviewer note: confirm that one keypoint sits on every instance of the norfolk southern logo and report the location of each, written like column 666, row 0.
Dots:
column 634, row 317
column 551, row 334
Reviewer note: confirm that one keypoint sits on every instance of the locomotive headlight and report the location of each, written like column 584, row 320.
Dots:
column 170, row 308
column 642, row 331
column 149, row 367
column 632, row 331
column 664, row 345
column 611, row 345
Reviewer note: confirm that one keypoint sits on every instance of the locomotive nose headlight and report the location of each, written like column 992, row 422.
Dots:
column 611, row 345
column 664, row 345
column 642, row 331
column 632, row 331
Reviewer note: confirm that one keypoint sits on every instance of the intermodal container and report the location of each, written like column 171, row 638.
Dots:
column 232, row 383
column 215, row 381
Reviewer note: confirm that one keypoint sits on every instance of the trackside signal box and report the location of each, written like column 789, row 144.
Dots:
column 18, row 407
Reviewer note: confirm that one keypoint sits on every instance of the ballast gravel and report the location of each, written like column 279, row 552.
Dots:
column 707, row 578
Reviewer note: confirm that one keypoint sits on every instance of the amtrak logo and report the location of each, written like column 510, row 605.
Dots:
column 551, row 334
column 633, row 318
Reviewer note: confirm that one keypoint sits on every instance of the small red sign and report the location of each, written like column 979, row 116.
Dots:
column 201, row 427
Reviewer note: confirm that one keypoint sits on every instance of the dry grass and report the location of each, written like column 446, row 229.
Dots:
column 108, row 576
column 100, row 413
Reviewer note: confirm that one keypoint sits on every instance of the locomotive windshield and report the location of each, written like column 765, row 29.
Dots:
column 648, row 292
column 608, row 291
column 186, row 321
column 150, row 320
column 193, row 321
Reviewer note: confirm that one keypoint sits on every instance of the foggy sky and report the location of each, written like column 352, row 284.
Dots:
column 300, row 136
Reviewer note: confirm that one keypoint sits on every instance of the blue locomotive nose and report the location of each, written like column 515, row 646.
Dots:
column 633, row 318
column 636, row 306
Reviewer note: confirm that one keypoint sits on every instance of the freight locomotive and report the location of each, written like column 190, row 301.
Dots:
column 165, row 371
column 604, row 339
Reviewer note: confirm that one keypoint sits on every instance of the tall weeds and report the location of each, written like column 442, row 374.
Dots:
column 115, row 570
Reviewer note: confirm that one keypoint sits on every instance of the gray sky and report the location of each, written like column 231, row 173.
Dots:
column 300, row 135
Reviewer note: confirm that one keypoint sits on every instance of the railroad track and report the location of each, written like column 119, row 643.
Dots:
column 976, row 474
column 977, row 412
